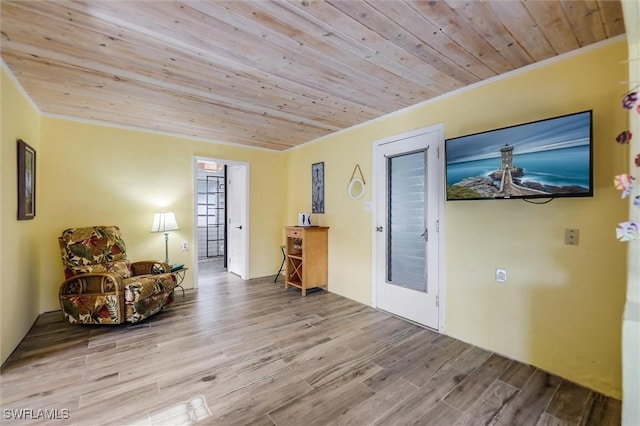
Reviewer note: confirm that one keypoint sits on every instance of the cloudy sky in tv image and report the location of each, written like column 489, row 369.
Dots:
column 556, row 133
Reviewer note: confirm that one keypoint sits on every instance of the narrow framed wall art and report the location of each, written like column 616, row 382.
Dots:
column 26, row 181
column 317, row 187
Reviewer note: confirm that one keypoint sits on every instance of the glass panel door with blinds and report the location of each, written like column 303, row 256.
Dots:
column 407, row 219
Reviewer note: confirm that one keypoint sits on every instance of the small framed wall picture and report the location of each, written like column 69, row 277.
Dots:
column 26, row 181
column 317, row 187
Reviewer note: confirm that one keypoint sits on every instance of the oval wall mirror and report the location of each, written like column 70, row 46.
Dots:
column 356, row 188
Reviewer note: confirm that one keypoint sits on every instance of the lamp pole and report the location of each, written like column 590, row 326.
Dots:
column 166, row 247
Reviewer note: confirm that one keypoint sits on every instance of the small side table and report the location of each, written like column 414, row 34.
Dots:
column 179, row 271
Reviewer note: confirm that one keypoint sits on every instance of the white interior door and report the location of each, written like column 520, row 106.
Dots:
column 409, row 199
column 237, row 231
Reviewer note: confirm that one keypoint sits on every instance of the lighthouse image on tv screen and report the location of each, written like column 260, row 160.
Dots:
column 541, row 159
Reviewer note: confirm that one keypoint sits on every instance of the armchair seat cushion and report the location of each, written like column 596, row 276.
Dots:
column 144, row 286
column 146, row 295
column 120, row 268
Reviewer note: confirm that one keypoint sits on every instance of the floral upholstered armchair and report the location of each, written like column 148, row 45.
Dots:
column 102, row 286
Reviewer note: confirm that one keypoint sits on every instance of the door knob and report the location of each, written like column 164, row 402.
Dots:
column 239, row 227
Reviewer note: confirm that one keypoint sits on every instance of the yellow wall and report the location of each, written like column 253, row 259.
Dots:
column 562, row 306
column 19, row 266
column 105, row 175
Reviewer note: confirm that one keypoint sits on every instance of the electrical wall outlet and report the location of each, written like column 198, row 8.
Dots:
column 501, row 275
column 184, row 246
column 368, row 205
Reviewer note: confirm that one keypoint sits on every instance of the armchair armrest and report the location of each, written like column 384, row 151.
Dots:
column 92, row 283
column 145, row 267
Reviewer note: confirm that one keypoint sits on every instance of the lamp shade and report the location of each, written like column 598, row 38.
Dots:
column 164, row 221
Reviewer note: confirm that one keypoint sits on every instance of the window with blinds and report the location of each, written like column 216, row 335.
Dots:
column 406, row 239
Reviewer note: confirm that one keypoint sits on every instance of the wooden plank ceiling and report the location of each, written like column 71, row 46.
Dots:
column 276, row 74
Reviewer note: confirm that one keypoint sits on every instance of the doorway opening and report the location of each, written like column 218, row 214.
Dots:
column 221, row 199
column 211, row 215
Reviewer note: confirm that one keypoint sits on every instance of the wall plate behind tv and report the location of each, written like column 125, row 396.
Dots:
column 571, row 237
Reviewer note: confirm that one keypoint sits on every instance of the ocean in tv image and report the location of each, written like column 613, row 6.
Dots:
column 541, row 159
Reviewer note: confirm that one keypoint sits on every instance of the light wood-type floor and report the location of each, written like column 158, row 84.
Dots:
column 258, row 354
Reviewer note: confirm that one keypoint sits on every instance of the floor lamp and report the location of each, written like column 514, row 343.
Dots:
column 164, row 222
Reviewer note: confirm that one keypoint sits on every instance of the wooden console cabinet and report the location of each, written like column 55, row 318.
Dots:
column 306, row 251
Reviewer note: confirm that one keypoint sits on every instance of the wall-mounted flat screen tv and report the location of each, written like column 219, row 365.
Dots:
column 541, row 159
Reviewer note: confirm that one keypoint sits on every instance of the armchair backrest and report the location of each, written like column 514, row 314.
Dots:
column 94, row 249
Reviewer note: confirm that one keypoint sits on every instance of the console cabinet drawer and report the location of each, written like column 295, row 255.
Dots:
column 294, row 233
